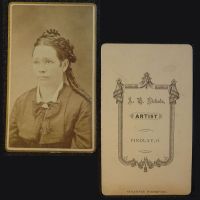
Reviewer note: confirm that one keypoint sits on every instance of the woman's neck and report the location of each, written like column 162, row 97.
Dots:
column 47, row 91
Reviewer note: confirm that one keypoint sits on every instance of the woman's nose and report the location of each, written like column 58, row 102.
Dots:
column 42, row 68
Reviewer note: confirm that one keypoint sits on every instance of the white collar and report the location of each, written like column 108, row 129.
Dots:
column 54, row 98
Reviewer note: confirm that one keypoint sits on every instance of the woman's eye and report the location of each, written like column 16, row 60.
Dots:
column 49, row 61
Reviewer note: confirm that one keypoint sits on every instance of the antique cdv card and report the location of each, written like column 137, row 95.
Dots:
column 51, row 77
column 146, row 119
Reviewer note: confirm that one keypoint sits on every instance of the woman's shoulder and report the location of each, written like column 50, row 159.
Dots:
column 76, row 97
column 28, row 95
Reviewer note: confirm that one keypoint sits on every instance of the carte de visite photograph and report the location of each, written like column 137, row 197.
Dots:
column 51, row 76
column 147, row 92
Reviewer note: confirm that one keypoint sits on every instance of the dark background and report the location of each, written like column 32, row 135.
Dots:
column 78, row 176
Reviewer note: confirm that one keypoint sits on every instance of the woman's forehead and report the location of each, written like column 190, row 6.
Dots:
column 44, row 51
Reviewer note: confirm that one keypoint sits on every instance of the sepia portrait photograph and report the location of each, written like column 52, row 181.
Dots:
column 51, row 77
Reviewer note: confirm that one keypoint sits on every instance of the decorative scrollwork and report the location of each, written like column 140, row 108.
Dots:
column 118, row 93
column 146, row 81
column 173, row 92
column 146, row 163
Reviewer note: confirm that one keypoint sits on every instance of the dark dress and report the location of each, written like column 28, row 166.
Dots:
column 64, row 124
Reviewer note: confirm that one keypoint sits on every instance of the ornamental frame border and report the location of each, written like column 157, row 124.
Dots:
column 146, row 82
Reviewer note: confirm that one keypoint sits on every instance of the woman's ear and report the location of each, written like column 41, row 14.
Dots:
column 65, row 64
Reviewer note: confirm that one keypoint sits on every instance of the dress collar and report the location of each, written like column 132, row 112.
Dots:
column 54, row 98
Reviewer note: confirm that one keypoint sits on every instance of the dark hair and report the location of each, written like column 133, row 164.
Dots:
column 64, row 51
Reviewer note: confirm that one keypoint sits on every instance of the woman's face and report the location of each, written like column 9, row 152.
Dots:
column 47, row 67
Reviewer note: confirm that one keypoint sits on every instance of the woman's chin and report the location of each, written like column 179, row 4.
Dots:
column 43, row 82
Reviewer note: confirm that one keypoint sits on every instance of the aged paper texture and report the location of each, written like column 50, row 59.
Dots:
column 146, row 119
column 51, row 77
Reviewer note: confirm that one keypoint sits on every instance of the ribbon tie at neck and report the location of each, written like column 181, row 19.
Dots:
column 49, row 109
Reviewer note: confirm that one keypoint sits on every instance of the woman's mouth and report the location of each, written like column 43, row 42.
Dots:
column 43, row 77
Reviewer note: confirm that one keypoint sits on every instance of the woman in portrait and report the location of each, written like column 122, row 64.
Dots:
column 56, row 113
